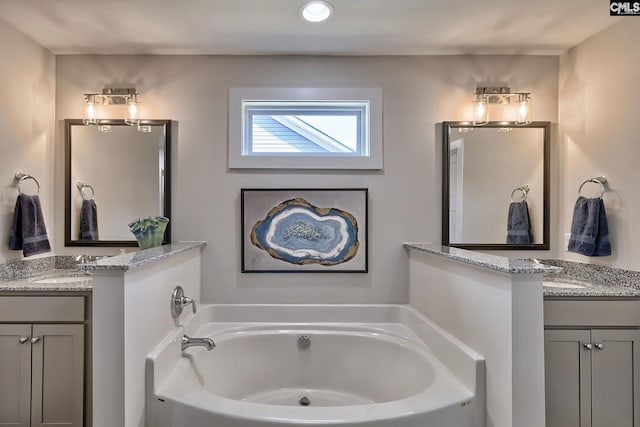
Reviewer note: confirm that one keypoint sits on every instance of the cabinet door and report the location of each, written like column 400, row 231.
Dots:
column 57, row 376
column 567, row 378
column 615, row 384
column 15, row 375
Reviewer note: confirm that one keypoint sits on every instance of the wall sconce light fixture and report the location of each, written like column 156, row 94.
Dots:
column 501, row 95
column 111, row 96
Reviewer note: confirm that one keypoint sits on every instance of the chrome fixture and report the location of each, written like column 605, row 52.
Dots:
column 501, row 95
column 304, row 342
column 178, row 301
column 590, row 346
column 523, row 189
column 317, row 11
column 111, row 96
column 186, row 342
column 304, row 401
column 81, row 259
column 602, row 180
column 19, row 177
column 81, row 186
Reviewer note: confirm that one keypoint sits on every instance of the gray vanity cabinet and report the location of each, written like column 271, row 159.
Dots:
column 592, row 374
column 42, row 364
column 567, row 378
column 615, row 378
column 15, row 376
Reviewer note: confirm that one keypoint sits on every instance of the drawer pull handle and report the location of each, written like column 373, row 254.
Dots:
column 23, row 340
column 588, row 346
column 35, row 340
column 599, row 346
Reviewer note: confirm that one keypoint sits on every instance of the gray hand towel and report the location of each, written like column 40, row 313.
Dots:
column 89, row 220
column 518, row 224
column 28, row 231
column 589, row 228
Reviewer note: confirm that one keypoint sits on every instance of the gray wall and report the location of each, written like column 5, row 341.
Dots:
column 598, row 117
column 418, row 93
column 27, row 85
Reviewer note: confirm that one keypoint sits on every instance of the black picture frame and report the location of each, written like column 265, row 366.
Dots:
column 447, row 128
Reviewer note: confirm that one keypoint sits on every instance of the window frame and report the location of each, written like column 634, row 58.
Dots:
column 365, row 159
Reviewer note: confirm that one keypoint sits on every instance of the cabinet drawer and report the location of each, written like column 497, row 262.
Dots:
column 42, row 309
column 592, row 313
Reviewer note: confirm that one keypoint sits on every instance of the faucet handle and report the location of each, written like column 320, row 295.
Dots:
column 187, row 301
column 178, row 301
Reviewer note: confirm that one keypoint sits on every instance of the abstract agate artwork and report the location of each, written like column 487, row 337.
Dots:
column 304, row 230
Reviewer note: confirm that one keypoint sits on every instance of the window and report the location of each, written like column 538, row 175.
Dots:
column 305, row 128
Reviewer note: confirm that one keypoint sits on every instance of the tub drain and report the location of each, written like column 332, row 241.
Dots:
column 304, row 342
column 304, row 401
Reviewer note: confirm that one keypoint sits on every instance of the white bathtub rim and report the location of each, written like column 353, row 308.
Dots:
column 225, row 332
column 439, row 396
column 273, row 310
column 464, row 364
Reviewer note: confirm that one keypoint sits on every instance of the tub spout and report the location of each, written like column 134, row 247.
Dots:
column 197, row 342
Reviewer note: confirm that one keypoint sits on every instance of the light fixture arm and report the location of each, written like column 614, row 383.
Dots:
column 111, row 96
column 486, row 95
column 500, row 95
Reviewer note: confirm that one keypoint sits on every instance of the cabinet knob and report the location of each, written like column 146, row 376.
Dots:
column 35, row 340
column 599, row 346
column 588, row 346
column 23, row 340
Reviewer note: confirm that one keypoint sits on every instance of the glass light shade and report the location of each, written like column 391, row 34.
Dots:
column 523, row 112
column 132, row 115
column 480, row 111
column 89, row 110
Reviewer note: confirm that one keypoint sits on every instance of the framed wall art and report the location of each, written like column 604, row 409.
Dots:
column 304, row 230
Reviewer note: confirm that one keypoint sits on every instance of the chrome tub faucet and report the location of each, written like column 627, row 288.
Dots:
column 187, row 342
column 179, row 300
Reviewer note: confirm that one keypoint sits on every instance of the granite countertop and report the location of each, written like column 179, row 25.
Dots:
column 592, row 281
column 133, row 260
column 60, row 280
column 63, row 274
column 586, row 288
column 491, row 262
column 588, row 280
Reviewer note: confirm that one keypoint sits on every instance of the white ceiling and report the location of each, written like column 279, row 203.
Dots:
column 359, row 27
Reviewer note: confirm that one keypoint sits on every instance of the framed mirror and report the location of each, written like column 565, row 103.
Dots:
column 118, row 172
column 495, row 192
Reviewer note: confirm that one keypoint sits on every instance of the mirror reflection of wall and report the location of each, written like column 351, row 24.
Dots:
column 485, row 165
column 125, row 167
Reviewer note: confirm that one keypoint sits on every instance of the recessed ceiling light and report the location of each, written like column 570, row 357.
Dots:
column 317, row 11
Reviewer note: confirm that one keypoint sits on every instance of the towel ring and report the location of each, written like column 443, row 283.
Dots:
column 524, row 189
column 19, row 176
column 82, row 186
column 602, row 180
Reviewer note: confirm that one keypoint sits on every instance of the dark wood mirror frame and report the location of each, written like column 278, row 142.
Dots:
column 166, row 187
column 446, row 128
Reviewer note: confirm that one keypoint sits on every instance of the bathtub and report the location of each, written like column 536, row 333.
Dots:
column 314, row 365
